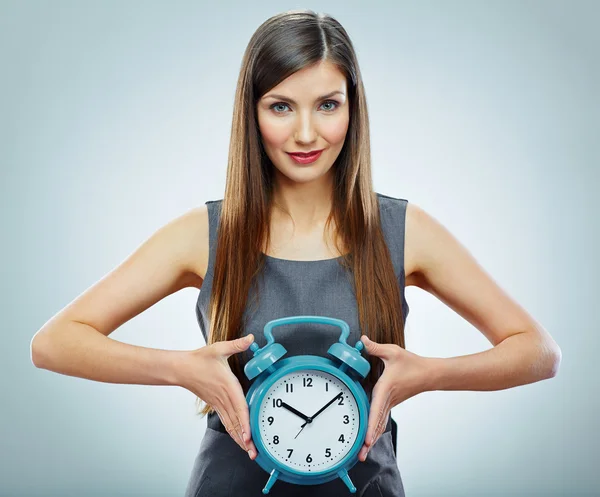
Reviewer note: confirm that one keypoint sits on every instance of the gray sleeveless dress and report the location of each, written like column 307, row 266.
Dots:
column 289, row 288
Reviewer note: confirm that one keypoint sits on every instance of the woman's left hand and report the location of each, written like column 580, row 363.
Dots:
column 404, row 376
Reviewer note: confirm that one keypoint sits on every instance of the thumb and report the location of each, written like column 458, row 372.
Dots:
column 374, row 348
column 240, row 344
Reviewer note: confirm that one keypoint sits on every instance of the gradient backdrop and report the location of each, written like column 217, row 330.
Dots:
column 115, row 118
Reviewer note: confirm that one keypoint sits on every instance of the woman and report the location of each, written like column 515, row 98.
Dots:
column 297, row 236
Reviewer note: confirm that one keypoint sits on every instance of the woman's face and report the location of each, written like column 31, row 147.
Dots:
column 294, row 117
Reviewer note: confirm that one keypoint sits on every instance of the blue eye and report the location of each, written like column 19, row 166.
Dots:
column 331, row 102
column 282, row 104
column 277, row 105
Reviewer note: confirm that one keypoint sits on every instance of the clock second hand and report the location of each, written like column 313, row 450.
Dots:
column 300, row 430
column 298, row 413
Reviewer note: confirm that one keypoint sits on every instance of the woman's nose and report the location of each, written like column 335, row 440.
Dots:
column 305, row 130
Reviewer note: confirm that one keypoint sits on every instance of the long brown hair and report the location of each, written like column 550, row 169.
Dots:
column 282, row 45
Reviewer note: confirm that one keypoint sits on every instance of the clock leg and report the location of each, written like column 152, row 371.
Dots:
column 343, row 474
column 271, row 481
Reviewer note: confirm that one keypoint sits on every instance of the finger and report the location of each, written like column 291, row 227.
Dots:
column 224, row 417
column 241, row 413
column 237, row 425
column 243, row 417
column 229, row 420
column 225, row 420
column 241, row 420
column 382, row 423
column 379, row 429
column 362, row 455
column 378, row 406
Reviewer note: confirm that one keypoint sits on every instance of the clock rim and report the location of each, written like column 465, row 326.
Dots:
column 287, row 366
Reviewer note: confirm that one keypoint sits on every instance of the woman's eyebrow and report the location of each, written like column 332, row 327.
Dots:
column 287, row 99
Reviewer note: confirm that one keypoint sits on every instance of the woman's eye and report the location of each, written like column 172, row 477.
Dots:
column 278, row 105
column 281, row 104
column 329, row 102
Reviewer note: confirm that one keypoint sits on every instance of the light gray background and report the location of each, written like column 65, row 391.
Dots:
column 115, row 118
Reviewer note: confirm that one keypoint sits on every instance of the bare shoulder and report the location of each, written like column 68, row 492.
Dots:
column 188, row 238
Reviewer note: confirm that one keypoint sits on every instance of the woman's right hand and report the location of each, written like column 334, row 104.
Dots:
column 208, row 375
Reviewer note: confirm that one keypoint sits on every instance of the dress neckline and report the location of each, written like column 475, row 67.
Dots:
column 277, row 259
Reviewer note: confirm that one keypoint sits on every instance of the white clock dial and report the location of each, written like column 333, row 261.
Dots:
column 324, row 441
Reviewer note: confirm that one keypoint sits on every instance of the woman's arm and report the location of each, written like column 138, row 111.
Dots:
column 77, row 349
column 523, row 352
column 519, row 359
column 75, row 341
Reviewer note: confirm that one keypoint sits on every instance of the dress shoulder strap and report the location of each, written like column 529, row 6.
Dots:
column 214, row 214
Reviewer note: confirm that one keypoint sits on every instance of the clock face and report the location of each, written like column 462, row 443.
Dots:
column 315, row 444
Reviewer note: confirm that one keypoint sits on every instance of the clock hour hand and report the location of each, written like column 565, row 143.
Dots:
column 295, row 411
column 326, row 405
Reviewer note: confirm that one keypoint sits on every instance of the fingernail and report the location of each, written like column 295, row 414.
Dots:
column 244, row 436
column 251, row 453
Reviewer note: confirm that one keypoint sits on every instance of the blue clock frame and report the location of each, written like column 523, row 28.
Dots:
column 266, row 367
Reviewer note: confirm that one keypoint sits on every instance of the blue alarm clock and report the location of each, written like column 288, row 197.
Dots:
column 308, row 414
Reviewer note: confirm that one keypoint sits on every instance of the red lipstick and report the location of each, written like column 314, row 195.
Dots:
column 305, row 157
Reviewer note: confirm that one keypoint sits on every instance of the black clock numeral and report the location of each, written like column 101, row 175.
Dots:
column 270, row 419
column 327, row 387
column 276, row 439
column 341, row 401
column 327, row 452
column 277, row 402
column 308, row 458
column 290, row 452
column 307, row 382
column 346, row 419
column 289, row 387
column 341, row 439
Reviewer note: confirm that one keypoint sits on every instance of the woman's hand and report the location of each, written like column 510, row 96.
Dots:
column 208, row 375
column 404, row 376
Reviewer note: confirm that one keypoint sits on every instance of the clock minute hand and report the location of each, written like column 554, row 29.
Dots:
column 310, row 420
column 295, row 411
column 326, row 406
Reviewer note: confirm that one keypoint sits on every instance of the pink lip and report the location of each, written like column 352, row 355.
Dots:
column 306, row 154
column 306, row 158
